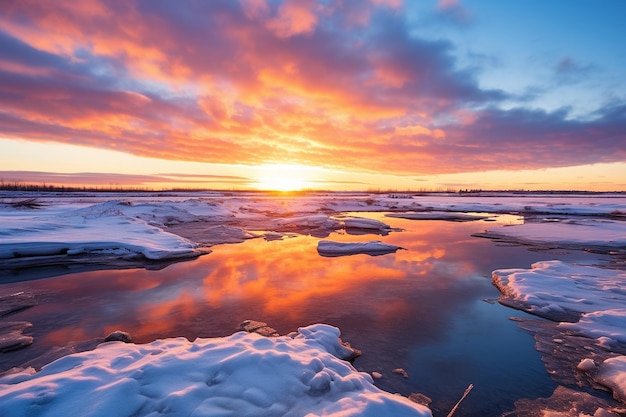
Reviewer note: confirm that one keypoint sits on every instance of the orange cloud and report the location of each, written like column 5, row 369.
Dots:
column 420, row 130
column 337, row 85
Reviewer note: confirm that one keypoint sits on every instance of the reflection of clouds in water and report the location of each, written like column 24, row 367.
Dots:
column 408, row 296
column 287, row 274
column 426, row 297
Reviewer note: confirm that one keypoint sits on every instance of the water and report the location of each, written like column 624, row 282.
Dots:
column 428, row 309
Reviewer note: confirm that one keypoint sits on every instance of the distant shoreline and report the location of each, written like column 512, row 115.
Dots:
column 43, row 188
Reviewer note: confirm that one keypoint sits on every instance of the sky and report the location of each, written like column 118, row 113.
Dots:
column 342, row 95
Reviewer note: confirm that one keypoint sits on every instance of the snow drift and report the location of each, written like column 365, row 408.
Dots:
column 241, row 375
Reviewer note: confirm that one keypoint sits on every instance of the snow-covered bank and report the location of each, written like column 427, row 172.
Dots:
column 595, row 234
column 588, row 302
column 241, row 375
column 100, row 229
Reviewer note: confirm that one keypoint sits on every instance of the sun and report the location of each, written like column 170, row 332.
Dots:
column 282, row 177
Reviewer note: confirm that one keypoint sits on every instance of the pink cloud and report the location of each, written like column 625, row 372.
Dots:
column 255, row 9
column 342, row 85
column 294, row 17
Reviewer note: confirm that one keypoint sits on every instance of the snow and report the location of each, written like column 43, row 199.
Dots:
column 241, row 375
column 569, row 232
column 246, row 374
column 612, row 373
column 586, row 300
column 361, row 223
column 159, row 226
column 597, row 297
column 569, row 204
column 102, row 228
column 438, row 215
column 308, row 221
column 226, row 234
column 586, row 364
column 373, row 248
column 551, row 287
column 606, row 324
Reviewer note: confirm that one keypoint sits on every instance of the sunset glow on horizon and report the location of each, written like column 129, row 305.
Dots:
column 309, row 94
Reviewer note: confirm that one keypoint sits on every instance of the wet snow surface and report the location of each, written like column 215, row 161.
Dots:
column 245, row 374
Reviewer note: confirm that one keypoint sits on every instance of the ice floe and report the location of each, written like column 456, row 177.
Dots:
column 12, row 335
column 240, row 375
column 612, row 374
column 100, row 229
column 587, row 301
column 554, row 288
column 363, row 223
column 373, row 248
column 160, row 226
column 438, row 215
column 569, row 233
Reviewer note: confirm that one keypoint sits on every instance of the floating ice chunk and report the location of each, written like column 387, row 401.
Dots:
column 240, row 375
column 225, row 234
column 363, row 223
column 554, row 289
column 308, row 221
column 13, row 303
column 438, row 215
column 579, row 233
column 565, row 402
column 612, row 373
column 12, row 336
column 605, row 323
column 373, row 248
column 586, row 365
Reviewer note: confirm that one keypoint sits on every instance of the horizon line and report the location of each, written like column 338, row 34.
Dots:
column 34, row 187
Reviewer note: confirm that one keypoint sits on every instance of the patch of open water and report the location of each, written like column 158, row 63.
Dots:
column 424, row 309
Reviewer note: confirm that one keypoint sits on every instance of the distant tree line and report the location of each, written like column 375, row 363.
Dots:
column 20, row 186
column 554, row 192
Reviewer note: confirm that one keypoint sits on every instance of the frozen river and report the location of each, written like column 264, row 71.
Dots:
column 429, row 309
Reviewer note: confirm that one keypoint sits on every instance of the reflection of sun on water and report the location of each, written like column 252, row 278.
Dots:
column 282, row 177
